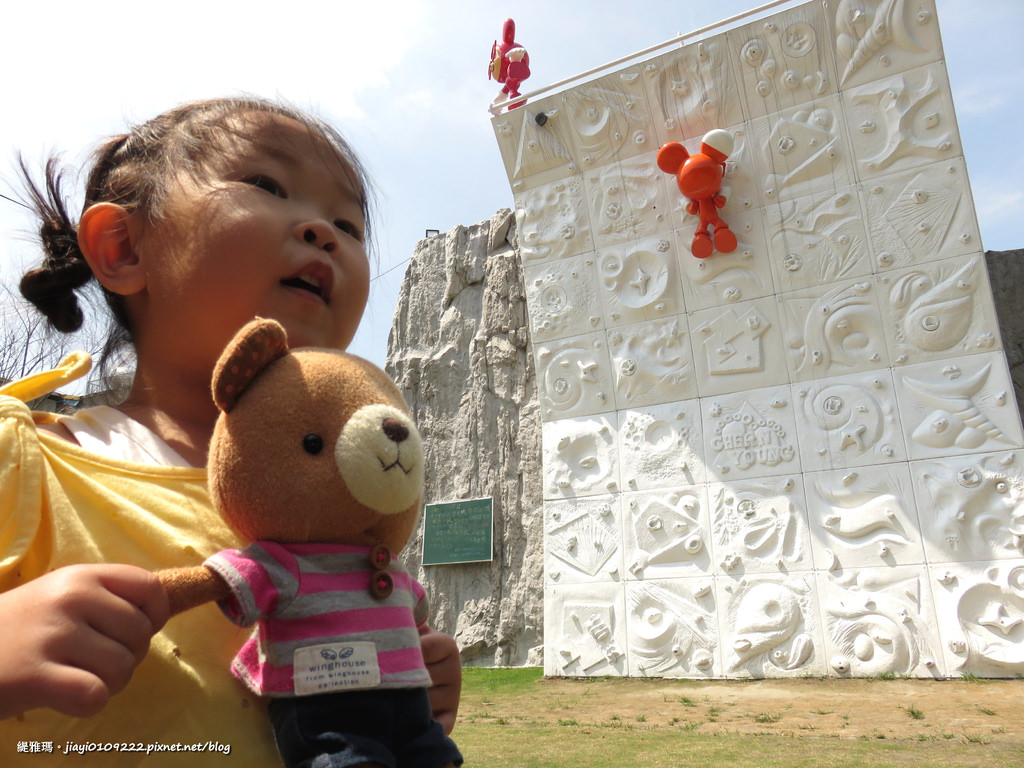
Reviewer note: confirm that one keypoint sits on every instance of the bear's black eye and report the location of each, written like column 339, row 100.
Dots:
column 312, row 444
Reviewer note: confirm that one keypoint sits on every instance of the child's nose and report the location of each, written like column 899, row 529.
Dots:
column 318, row 233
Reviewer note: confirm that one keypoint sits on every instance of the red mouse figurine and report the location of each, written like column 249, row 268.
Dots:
column 699, row 178
column 510, row 64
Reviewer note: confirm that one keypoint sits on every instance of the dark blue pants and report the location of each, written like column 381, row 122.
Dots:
column 392, row 727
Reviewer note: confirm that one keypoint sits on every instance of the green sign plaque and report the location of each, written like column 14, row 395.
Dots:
column 458, row 532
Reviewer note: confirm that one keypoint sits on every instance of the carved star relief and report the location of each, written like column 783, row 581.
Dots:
column 640, row 281
column 855, row 437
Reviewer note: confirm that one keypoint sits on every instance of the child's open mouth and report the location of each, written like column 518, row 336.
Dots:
column 308, row 283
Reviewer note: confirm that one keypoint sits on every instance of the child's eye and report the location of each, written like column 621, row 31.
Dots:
column 267, row 184
column 349, row 228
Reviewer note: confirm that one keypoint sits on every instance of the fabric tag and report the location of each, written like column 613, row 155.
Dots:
column 335, row 667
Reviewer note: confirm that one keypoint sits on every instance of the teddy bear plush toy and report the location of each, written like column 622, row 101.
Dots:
column 315, row 463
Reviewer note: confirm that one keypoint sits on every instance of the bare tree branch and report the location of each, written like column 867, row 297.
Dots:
column 29, row 345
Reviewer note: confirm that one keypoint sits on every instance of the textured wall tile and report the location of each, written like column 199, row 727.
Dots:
column 971, row 507
column 530, row 151
column 692, row 90
column 585, row 630
column 880, row 621
column 750, row 434
column 848, row 421
column 667, row 533
column 902, row 122
column 958, row 406
column 817, row 240
column 727, row 278
column 574, row 376
column 759, row 526
column 982, row 607
column 739, row 184
column 583, row 540
column 672, row 629
column 921, row 215
column 628, row 200
column 580, row 457
column 833, row 329
column 873, row 38
column 553, row 220
column 563, row 298
column 652, row 362
column 639, row 280
column 801, row 151
column 938, row 309
column 784, row 60
column 738, row 347
column 863, row 518
column 770, row 627
column 607, row 119
column 660, row 446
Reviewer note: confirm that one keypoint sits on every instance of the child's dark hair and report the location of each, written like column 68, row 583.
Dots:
column 135, row 170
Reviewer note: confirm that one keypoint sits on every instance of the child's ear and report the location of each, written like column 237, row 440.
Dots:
column 105, row 239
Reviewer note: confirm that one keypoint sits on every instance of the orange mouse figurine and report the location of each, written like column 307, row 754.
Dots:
column 699, row 177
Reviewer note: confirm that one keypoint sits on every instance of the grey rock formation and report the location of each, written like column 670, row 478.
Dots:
column 1006, row 273
column 459, row 350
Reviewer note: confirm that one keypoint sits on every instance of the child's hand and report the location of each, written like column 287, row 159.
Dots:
column 441, row 655
column 71, row 639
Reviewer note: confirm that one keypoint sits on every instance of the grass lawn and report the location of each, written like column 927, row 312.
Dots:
column 515, row 717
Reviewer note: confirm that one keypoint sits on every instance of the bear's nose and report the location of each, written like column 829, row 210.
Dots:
column 394, row 429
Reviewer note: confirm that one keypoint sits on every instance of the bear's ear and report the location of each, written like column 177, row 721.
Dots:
column 672, row 156
column 257, row 345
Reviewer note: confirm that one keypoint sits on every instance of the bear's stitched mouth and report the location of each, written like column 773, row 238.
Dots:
column 396, row 463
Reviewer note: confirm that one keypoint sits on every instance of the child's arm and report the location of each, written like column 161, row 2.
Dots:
column 441, row 655
column 71, row 639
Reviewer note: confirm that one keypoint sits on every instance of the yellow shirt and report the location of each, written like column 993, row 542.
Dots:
column 61, row 505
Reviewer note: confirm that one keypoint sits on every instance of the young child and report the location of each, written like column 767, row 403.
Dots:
column 193, row 223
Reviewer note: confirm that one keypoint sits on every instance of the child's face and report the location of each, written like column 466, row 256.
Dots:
column 274, row 228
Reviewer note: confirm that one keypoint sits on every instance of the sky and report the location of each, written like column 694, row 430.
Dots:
column 406, row 82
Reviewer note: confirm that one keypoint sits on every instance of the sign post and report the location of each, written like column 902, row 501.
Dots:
column 458, row 532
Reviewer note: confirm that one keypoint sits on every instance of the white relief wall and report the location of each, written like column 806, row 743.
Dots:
column 802, row 457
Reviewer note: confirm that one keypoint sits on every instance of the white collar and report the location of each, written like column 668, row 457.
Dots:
column 108, row 432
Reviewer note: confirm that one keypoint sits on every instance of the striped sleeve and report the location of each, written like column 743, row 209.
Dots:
column 262, row 578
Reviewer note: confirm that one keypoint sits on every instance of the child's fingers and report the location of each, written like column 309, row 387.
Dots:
column 119, row 622
column 72, row 690
column 142, row 589
column 114, row 611
column 441, row 656
column 437, row 647
column 123, row 603
column 83, row 631
column 112, row 659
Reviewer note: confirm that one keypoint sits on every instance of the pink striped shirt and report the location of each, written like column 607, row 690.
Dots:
column 304, row 595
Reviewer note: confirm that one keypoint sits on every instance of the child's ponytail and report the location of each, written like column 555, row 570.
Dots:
column 51, row 286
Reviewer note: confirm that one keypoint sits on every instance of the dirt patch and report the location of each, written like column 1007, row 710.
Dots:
column 983, row 710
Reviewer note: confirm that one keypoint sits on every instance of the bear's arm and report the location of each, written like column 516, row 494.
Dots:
column 191, row 587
